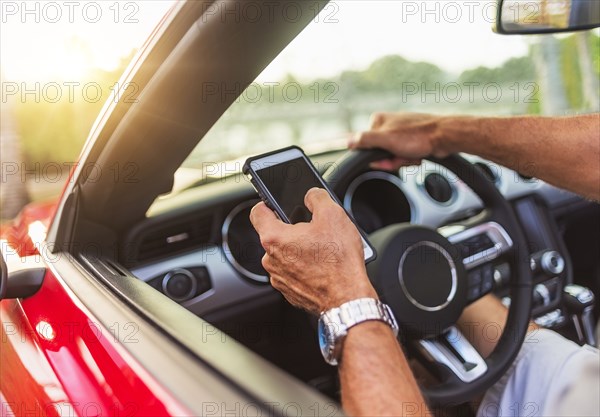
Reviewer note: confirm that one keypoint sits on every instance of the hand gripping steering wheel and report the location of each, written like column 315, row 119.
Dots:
column 428, row 279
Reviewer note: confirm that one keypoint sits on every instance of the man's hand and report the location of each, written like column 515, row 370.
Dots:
column 409, row 136
column 563, row 151
column 318, row 265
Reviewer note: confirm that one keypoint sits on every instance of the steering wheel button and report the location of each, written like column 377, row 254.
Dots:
column 475, row 277
column 488, row 273
column 487, row 284
column 473, row 293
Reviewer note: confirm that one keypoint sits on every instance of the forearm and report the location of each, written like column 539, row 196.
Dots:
column 483, row 322
column 564, row 151
column 375, row 376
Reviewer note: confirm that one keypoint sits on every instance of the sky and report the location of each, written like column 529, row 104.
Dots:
column 62, row 40
column 350, row 34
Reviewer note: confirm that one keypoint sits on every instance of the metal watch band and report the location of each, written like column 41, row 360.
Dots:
column 357, row 311
column 337, row 321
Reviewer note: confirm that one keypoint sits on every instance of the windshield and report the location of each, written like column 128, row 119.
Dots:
column 359, row 57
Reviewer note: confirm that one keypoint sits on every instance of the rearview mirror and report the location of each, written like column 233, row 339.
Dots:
column 546, row 16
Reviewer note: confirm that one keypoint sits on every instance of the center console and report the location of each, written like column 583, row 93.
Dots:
column 558, row 304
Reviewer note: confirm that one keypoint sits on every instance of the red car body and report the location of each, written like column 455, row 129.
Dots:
column 63, row 350
column 74, row 347
column 61, row 361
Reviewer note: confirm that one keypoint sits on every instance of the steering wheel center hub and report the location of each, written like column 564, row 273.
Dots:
column 420, row 274
column 434, row 287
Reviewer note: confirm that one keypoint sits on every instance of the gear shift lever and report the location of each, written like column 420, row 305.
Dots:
column 579, row 303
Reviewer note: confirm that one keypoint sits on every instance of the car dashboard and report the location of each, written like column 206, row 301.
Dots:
column 199, row 249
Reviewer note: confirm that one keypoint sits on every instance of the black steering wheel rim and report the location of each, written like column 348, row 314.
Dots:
column 455, row 391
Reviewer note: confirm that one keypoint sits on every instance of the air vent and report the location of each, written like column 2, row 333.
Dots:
column 438, row 188
column 174, row 237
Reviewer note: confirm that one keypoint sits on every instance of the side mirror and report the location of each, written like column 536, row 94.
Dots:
column 22, row 282
column 546, row 16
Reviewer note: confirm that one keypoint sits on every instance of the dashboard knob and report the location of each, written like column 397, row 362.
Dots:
column 179, row 284
column 502, row 275
column 541, row 295
column 549, row 262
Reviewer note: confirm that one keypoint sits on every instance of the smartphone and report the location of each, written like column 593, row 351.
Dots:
column 282, row 178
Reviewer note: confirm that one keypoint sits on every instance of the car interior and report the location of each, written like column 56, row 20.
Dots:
column 174, row 231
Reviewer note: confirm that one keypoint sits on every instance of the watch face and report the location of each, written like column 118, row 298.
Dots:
column 323, row 338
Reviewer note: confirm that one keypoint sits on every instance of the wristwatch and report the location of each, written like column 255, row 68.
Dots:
column 335, row 323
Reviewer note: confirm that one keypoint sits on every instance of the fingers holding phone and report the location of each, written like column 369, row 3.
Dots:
column 315, row 253
column 317, row 265
column 282, row 179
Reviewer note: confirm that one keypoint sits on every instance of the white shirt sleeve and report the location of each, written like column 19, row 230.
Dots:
column 551, row 376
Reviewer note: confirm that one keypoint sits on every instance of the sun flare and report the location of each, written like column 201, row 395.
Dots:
column 66, row 44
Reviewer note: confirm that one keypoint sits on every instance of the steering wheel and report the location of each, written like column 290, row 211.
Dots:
column 428, row 279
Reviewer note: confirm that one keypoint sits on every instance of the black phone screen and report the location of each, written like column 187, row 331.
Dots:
column 288, row 183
